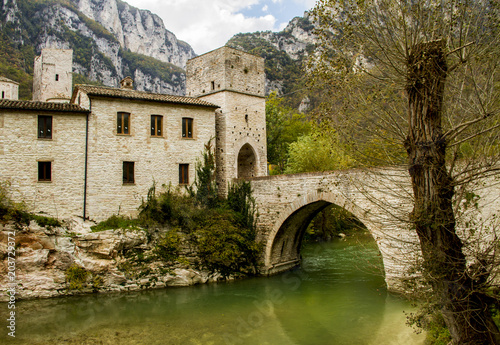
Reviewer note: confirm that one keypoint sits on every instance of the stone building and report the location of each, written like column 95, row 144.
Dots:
column 235, row 81
column 99, row 154
column 52, row 75
column 9, row 89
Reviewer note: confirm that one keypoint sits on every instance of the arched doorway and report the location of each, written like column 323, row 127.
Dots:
column 247, row 162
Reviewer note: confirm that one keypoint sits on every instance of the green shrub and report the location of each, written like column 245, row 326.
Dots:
column 48, row 222
column 240, row 200
column 170, row 207
column 167, row 248
column 76, row 277
column 226, row 247
column 116, row 222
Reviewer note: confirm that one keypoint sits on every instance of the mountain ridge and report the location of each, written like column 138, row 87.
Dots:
column 111, row 40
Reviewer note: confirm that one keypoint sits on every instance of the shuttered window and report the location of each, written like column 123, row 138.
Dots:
column 187, row 127
column 44, row 171
column 128, row 172
column 183, row 173
column 156, row 125
column 123, row 123
column 44, row 127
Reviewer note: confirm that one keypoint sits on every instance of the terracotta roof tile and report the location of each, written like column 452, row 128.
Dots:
column 103, row 91
column 36, row 105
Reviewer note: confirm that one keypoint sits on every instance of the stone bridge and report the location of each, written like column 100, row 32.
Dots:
column 381, row 199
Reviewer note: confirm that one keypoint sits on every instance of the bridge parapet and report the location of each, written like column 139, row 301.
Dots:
column 380, row 198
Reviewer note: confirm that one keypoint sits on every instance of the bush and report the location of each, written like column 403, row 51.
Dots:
column 76, row 277
column 116, row 222
column 239, row 199
column 224, row 246
column 167, row 248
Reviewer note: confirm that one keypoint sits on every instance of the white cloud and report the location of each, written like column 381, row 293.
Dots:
column 265, row 8
column 206, row 25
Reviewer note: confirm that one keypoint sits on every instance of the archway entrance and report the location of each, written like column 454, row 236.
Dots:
column 247, row 162
column 284, row 249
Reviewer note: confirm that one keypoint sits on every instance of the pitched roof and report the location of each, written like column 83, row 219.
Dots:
column 36, row 105
column 103, row 91
column 8, row 80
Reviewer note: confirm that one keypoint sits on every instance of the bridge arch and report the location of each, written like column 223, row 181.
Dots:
column 282, row 248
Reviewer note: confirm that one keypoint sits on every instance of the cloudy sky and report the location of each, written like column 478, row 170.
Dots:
column 209, row 24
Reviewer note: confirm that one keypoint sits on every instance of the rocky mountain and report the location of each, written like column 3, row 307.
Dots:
column 286, row 53
column 110, row 40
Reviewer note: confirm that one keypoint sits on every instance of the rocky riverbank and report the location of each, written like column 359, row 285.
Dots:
column 71, row 259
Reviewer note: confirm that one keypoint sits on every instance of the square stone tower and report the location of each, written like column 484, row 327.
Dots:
column 52, row 75
column 235, row 81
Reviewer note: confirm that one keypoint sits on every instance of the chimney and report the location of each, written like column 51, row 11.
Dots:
column 127, row 83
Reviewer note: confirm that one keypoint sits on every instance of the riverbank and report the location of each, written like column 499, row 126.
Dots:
column 48, row 261
column 336, row 297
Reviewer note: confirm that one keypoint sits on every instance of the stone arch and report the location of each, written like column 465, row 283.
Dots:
column 247, row 163
column 282, row 249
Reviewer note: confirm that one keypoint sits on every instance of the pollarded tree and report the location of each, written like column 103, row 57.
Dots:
column 424, row 74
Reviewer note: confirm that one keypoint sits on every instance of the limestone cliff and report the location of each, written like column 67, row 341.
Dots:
column 71, row 259
column 110, row 39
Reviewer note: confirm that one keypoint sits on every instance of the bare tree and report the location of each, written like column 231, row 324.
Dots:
column 428, row 72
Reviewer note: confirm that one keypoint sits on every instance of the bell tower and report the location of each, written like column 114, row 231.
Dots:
column 235, row 81
column 52, row 76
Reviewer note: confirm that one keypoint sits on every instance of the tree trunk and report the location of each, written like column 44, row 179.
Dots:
column 466, row 314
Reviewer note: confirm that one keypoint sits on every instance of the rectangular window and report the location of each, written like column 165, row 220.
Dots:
column 187, row 127
column 57, row 77
column 128, row 172
column 44, row 127
column 122, row 123
column 44, row 171
column 183, row 173
column 156, row 125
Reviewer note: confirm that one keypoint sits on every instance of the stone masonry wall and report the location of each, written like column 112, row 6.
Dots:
column 52, row 77
column 225, row 69
column 20, row 151
column 156, row 159
column 9, row 90
column 235, row 81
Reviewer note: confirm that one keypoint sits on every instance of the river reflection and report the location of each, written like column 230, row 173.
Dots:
column 337, row 297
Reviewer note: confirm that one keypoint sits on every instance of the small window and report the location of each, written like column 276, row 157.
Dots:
column 128, row 172
column 183, row 173
column 57, row 77
column 3, row 94
column 44, row 171
column 156, row 125
column 187, row 127
column 44, row 127
column 122, row 123
column 213, row 85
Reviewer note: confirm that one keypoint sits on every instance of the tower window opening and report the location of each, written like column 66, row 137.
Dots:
column 57, row 77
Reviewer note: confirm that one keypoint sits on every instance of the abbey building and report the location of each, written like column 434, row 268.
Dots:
column 95, row 151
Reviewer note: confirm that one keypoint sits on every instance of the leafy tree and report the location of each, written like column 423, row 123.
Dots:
column 206, row 191
column 320, row 151
column 284, row 126
column 426, row 74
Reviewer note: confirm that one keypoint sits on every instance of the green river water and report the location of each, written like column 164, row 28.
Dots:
column 337, row 297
